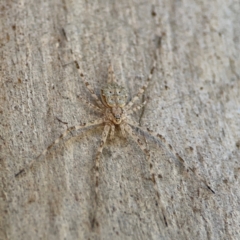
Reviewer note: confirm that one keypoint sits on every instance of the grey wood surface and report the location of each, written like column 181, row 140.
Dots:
column 193, row 101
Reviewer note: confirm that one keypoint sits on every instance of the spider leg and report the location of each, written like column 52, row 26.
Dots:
column 94, row 107
column 111, row 75
column 63, row 135
column 143, row 88
column 105, row 133
column 89, row 87
column 146, row 151
column 112, row 131
column 169, row 147
column 122, row 127
column 136, row 108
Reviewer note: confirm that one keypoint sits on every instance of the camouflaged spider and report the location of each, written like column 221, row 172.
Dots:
column 116, row 110
column 116, row 113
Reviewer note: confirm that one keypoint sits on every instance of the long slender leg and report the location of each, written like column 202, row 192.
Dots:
column 99, row 152
column 122, row 127
column 111, row 75
column 133, row 135
column 94, row 107
column 105, row 133
column 169, row 147
column 136, row 108
column 63, row 135
column 89, row 87
column 143, row 88
column 112, row 131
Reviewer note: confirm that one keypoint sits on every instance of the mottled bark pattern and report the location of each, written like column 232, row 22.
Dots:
column 186, row 183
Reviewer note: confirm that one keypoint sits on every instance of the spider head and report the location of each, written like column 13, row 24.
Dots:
column 114, row 95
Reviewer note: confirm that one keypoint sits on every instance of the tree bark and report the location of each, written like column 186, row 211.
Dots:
column 192, row 101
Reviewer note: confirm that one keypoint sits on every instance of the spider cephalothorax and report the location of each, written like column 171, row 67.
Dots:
column 114, row 95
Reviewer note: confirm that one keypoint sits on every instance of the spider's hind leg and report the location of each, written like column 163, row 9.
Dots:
column 164, row 144
column 105, row 133
column 146, row 151
column 62, row 136
column 98, row 155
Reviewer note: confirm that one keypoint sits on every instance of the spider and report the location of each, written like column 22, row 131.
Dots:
column 115, row 109
column 116, row 114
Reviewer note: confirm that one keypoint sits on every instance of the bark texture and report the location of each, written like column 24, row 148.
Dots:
column 193, row 101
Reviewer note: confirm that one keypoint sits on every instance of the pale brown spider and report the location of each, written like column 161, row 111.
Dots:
column 116, row 113
column 115, row 109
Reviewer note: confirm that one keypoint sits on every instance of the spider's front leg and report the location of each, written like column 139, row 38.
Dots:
column 87, row 84
column 143, row 88
column 111, row 75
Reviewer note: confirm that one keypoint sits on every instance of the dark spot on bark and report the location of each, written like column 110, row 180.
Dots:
column 180, row 159
column 77, row 66
column 152, row 70
column 153, row 12
column 94, row 223
column 97, row 182
column 72, row 128
column 49, row 146
column 147, row 152
column 161, row 137
column 165, row 220
column 19, row 173
column 210, row 189
column 153, row 178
